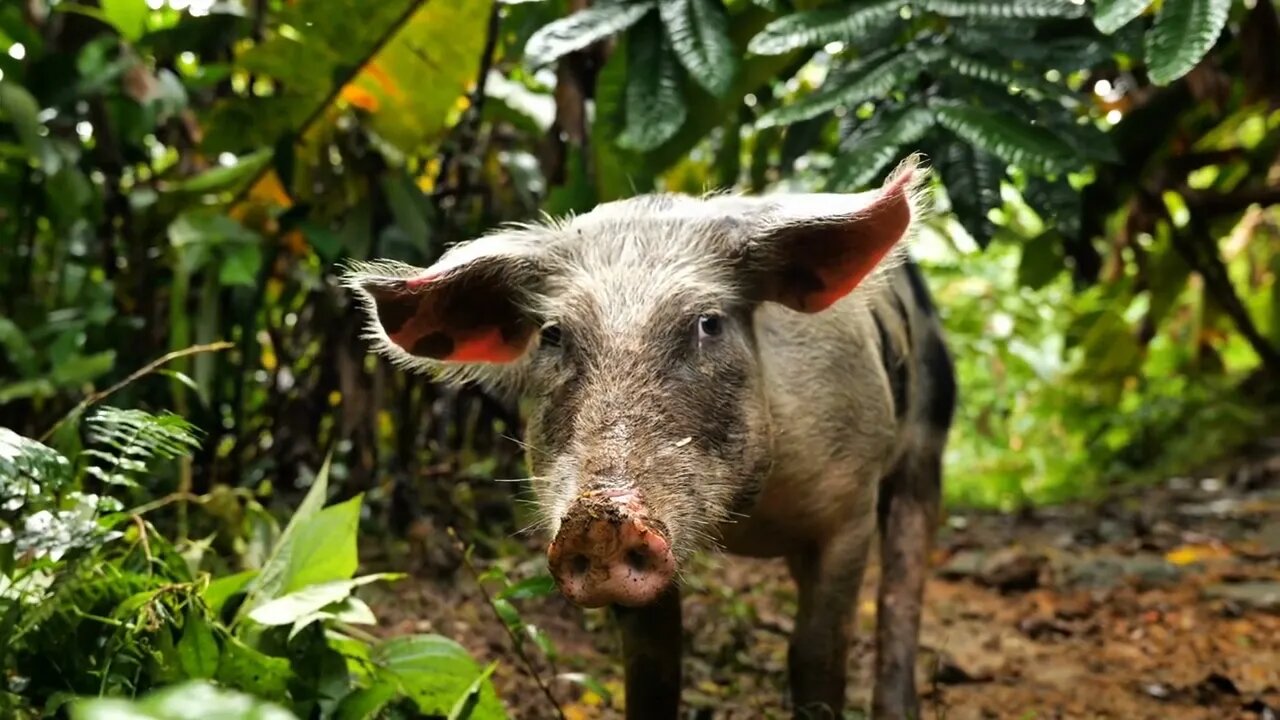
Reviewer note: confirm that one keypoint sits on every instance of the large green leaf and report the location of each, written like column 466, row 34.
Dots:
column 180, row 702
column 1112, row 15
column 310, row 599
column 869, row 80
column 581, row 29
column 1008, row 138
column 1185, row 30
column 273, row 578
column 1006, row 9
column 815, row 28
column 198, row 648
column 699, row 33
column 1007, row 77
column 655, row 102
column 443, row 41
column 324, row 547
column 972, row 179
column 888, row 142
column 436, row 673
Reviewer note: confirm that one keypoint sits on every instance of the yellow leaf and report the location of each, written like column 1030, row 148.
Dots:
column 575, row 712
column 590, row 699
column 359, row 97
column 1190, row 554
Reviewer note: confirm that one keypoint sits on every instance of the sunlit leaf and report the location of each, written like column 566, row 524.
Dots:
column 583, row 28
column 1111, row 15
column 893, row 138
column 1007, row 9
column 181, row 702
column 815, row 28
column 310, row 599
column 1009, row 139
column 699, row 33
column 1183, row 32
column 655, row 102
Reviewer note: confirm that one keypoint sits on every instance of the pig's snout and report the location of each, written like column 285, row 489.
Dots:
column 606, row 555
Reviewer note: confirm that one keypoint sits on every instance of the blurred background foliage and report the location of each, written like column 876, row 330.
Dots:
column 185, row 172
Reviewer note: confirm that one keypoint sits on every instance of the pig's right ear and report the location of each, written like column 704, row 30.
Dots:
column 469, row 310
column 815, row 249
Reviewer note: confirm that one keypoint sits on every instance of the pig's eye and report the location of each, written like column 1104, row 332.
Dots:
column 550, row 335
column 710, row 326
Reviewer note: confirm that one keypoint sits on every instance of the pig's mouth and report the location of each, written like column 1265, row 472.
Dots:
column 609, row 552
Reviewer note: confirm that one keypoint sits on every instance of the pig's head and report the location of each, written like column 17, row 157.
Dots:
column 629, row 333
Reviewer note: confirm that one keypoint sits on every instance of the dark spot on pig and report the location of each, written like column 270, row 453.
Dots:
column 895, row 368
column 433, row 345
column 919, row 289
column 579, row 565
column 941, row 377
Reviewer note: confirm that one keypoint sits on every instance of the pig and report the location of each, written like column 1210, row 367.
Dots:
column 762, row 375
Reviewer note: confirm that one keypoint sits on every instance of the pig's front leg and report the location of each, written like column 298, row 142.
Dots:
column 828, row 578
column 652, row 639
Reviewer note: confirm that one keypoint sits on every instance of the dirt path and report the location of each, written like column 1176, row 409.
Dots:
column 1165, row 604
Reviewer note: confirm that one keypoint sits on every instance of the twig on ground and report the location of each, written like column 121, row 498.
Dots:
column 515, row 641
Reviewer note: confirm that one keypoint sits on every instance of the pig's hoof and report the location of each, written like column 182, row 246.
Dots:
column 611, row 561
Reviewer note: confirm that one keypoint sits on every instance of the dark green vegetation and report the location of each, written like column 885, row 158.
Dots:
column 1106, row 258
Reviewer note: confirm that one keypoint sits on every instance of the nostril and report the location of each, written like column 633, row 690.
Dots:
column 638, row 560
column 579, row 564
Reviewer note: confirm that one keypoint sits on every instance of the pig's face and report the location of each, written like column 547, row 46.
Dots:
column 629, row 334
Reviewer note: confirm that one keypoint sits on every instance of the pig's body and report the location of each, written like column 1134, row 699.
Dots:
column 733, row 372
column 851, row 395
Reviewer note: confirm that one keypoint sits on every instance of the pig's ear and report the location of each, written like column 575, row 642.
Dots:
column 460, row 310
column 816, row 248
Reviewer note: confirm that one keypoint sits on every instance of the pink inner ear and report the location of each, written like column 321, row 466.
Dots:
column 868, row 238
column 415, row 321
column 485, row 345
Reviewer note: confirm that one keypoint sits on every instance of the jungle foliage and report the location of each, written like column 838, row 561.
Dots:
column 187, row 173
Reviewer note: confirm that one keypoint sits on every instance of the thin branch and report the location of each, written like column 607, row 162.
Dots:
column 515, row 641
column 144, row 370
column 471, row 119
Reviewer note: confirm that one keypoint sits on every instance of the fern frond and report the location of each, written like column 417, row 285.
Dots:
column 699, row 33
column 1184, row 32
column 1007, row 9
column 860, row 163
column 815, row 28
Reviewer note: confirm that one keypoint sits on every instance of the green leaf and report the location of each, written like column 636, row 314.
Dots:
column 436, row 672
column 193, row 699
column 351, row 610
column 223, row 589
column 1008, row 138
column 1006, row 77
column 1042, row 260
column 465, row 707
column 225, row 177
column 581, row 29
column 274, row 576
column 699, row 34
column 240, row 266
column 198, row 649
column 1006, row 9
column 972, row 179
column 535, row 587
column 127, row 16
column 247, row 669
column 1184, row 31
column 324, row 547
column 655, row 103
column 1111, row 15
column 20, row 108
column 815, row 28
column 310, row 599
column 856, row 167
column 871, row 79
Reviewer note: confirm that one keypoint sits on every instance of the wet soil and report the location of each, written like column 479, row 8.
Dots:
column 1157, row 603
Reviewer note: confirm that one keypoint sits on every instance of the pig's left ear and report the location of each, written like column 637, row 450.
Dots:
column 468, row 308
column 816, row 248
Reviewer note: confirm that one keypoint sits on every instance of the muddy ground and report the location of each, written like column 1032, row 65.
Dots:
column 1159, row 603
